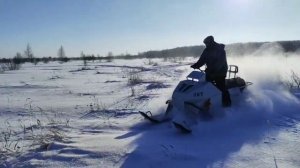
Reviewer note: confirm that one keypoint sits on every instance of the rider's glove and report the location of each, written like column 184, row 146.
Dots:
column 194, row 66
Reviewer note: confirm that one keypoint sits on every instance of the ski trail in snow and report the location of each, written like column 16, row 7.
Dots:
column 234, row 137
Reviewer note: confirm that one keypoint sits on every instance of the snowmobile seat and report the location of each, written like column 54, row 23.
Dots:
column 235, row 82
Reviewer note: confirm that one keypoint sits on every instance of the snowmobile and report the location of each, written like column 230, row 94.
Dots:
column 195, row 96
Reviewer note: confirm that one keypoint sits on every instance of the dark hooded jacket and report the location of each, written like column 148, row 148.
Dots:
column 215, row 59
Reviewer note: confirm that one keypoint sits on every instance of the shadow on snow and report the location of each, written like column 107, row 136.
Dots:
column 211, row 143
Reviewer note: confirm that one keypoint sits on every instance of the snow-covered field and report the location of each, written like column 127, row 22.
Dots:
column 68, row 115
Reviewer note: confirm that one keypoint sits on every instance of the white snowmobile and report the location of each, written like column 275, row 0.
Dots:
column 195, row 96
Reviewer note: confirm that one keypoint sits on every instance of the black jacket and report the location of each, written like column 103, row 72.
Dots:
column 215, row 60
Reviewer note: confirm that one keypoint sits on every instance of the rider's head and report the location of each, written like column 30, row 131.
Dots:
column 209, row 41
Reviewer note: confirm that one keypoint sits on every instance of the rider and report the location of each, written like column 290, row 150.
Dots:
column 214, row 57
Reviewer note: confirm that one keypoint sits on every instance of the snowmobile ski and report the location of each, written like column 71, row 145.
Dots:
column 149, row 117
column 182, row 128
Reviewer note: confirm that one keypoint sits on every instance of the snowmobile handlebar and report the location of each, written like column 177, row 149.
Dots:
column 198, row 69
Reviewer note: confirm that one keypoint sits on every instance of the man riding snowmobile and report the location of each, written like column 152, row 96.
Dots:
column 214, row 57
column 197, row 97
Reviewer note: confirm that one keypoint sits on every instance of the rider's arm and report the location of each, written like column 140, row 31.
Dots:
column 201, row 61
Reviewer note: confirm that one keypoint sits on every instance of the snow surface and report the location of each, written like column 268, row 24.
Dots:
column 94, row 113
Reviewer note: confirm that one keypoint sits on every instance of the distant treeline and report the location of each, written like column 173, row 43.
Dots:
column 20, row 60
column 195, row 51
column 232, row 49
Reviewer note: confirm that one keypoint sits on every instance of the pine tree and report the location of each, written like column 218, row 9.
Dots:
column 62, row 55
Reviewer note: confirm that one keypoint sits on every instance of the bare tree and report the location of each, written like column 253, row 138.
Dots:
column 28, row 52
column 295, row 78
column 18, row 58
column 109, row 57
column 12, row 64
column 83, row 57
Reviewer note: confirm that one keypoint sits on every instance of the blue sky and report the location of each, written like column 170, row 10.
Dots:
column 132, row 26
